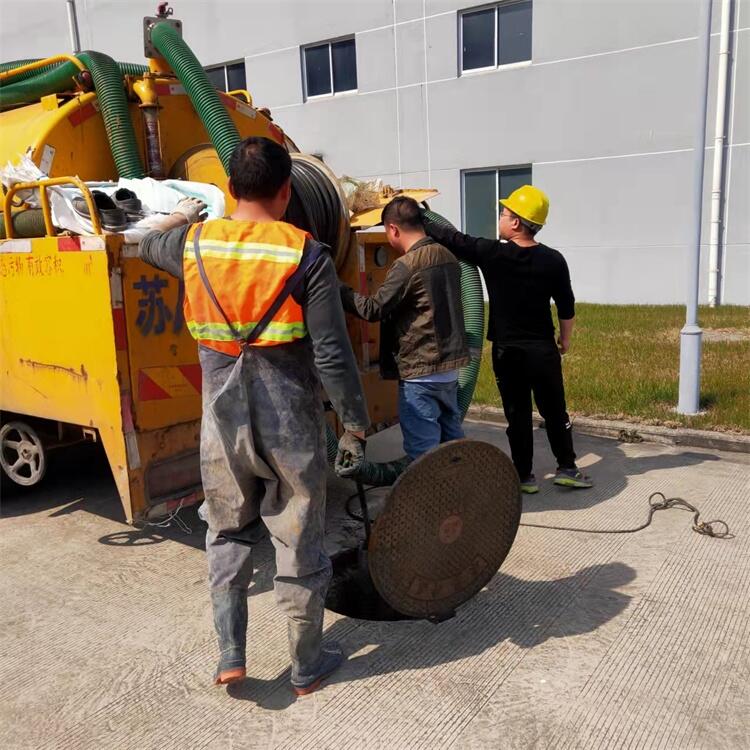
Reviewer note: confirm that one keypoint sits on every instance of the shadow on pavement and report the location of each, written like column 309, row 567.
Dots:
column 525, row 613
column 522, row 612
column 611, row 473
column 78, row 477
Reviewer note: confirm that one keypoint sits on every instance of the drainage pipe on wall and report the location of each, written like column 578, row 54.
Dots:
column 714, row 242
column 75, row 38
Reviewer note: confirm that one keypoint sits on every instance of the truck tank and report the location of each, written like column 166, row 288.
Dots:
column 93, row 342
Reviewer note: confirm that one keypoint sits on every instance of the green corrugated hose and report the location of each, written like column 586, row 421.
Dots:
column 28, row 223
column 115, row 113
column 472, row 298
column 203, row 96
column 52, row 79
column 126, row 68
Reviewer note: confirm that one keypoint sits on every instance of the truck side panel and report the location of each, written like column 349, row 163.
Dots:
column 57, row 346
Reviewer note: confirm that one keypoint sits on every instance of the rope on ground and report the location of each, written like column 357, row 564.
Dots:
column 716, row 528
column 166, row 522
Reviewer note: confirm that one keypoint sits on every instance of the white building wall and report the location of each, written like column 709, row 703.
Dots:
column 604, row 112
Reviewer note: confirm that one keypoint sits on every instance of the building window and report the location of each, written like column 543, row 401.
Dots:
column 330, row 68
column 482, row 189
column 229, row 77
column 495, row 36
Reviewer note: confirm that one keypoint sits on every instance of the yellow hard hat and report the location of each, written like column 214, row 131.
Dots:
column 529, row 203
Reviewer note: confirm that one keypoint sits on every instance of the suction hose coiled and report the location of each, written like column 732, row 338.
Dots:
column 115, row 113
column 28, row 223
column 203, row 95
column 472, row 299
column 52, row 79
column 107, row 77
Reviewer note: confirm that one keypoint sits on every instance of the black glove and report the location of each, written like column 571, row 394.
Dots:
column 350, row 455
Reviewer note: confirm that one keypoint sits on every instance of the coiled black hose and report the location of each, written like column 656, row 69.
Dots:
column 314, row 204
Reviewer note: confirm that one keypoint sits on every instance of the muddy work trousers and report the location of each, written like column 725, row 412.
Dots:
column 263, row 463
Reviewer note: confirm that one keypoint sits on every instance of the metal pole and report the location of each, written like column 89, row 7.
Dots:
column 75, row 40
column 714, row 241
column 691, row 334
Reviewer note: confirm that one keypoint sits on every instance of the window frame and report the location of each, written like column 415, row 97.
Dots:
column 497, row 171
column 496, row 26
column 329, row 43
column 224, row 67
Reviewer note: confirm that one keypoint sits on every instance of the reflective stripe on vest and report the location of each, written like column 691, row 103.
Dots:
column 247, row 264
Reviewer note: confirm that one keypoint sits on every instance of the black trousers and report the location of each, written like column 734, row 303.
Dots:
column 521, row 369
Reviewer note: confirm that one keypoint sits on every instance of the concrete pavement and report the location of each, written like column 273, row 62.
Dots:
column 581, row 640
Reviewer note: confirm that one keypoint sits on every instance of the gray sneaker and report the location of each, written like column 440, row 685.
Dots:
column 529, row 485
column 572, row 478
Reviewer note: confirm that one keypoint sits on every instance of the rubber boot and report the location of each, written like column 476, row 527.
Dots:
column 308, row 680
column 230, row 621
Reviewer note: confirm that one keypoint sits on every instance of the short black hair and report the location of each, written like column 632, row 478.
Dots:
column 403, row 212
column 258, row 168
column 533, row 228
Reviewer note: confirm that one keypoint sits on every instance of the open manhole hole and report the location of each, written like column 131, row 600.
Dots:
column 446, row 527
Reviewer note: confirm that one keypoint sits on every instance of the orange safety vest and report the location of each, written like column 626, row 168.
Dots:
column 247, row 264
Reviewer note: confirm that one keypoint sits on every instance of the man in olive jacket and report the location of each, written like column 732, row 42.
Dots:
column 423, row 342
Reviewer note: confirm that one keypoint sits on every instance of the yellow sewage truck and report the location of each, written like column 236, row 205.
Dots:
column 93, row 344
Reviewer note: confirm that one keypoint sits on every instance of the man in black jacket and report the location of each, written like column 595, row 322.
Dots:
column 521, row 276
column 423, row 341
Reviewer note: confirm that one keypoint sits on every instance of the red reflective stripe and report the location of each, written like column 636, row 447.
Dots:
column 162, row 89
column 121, row 336
column 229, row 101
column 193, row 375
column 68, row 244
column 148, row 390
column 276, row 132
column 82, row 114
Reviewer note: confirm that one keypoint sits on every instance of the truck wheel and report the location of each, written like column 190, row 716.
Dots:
column 22, row 455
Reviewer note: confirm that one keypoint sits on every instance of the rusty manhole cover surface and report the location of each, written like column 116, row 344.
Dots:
column 446, row 528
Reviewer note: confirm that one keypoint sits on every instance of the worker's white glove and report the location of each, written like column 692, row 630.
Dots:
column 192, row 209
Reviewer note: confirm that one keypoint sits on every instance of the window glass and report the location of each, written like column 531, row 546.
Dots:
column 478, row 37
column 480, row 207
column 509, row 180
column 514, row 32
column 216, row 76
column 344, row 56
column 318, row 70
column 236, row 76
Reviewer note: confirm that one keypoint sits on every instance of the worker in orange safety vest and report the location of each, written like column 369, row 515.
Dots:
column 262, row 300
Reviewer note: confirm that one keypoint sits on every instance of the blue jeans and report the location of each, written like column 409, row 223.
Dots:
column 429, row 415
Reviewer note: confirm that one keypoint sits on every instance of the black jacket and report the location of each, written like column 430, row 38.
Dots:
column 520, row 281
column 419, row 304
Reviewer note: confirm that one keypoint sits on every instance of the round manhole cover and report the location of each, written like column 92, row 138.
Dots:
column 446, row 528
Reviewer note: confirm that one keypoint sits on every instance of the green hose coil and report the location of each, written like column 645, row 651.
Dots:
column 126, row 68
column 28, row 223
column 115, row 113
column 472, row 299
column 52, row 79
column 6, row 66
column 203, row 95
